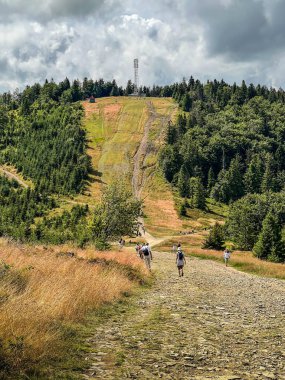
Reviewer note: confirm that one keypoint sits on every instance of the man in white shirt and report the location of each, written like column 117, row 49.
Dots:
column 227, row 255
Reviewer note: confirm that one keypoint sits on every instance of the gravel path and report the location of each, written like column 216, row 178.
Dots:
column 13, row 176
column 213, row 323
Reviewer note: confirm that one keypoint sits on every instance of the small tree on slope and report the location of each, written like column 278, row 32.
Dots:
column 117, row 214
column 269, row 244
column 215, row 240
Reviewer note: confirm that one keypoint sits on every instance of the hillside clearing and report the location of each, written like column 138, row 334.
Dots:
column 124, row 136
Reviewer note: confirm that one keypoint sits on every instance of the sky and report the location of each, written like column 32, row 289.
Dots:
column 229, row 39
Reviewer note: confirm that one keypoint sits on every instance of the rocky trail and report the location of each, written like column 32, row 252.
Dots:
column 213, row 323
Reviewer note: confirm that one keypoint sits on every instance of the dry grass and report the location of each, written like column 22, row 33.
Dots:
column 44, row 290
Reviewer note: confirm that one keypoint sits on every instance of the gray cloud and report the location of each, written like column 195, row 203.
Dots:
column 242, row 29
column 44, row 11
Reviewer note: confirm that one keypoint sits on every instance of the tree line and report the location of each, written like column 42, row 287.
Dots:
column 228, row 144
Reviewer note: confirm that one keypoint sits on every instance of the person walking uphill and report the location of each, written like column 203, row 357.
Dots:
column 147, row 255
column 227, row 255
column 180, row 261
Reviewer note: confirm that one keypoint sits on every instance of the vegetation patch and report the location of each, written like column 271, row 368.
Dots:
column 48, row 295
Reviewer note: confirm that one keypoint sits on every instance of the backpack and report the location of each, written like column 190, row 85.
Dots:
column 145, row 251
column 180, row 255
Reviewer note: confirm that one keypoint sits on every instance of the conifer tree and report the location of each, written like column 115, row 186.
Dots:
column 253, row 176
column 197, row 193
column 269, row 244
column 268, row 179
column 182, row 182
column 183, row 208
column 186, row 102
column 215, row 240
column 211, row 180
column 235, row 179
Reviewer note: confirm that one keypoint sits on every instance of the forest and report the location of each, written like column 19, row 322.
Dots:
column 41, row 135
column 229, row 145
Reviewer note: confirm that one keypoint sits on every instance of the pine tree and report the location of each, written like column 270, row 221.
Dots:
column 182, row 182
column 235, row 179
column 197, row 193
column 215, row 240
column 268, row 180
column 253, row 176
column 129, row 88
column 183, row 208
column 186, row 102
column 211, row 180
column 270, row 245
column 171, row 134
column 220, row 191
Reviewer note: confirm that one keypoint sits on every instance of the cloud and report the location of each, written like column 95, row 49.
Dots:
column 49, row 10
column 230, row 39
column 242, row 30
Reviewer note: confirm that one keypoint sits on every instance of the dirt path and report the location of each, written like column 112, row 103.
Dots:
column 213, row 323
column 138, row 172
column 13, row 176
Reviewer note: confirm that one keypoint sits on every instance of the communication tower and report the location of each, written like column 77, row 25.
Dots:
column 136, row 76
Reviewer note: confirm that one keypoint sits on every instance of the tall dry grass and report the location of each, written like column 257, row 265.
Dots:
column 42, row 291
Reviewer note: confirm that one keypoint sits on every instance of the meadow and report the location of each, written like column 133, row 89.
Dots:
column 45, row 292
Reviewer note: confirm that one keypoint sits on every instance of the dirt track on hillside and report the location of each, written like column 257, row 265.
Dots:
column 214, row 323
column 11, row 175
column 138, row 173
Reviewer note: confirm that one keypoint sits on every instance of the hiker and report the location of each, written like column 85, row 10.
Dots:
column 178, row 245
column 180, row 261
column 174, row 248
column 138, row 247
column 227, row 255
column 147, row 255
column 140, row 251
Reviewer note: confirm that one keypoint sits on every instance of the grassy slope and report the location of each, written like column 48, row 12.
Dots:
column 115, row 127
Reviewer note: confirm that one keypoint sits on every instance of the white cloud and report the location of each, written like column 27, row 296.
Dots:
column 207, row 39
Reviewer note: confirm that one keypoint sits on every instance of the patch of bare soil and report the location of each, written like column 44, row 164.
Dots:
column 90, row 108
column 111, row 111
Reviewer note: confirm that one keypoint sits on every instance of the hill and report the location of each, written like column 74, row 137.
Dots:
column 71, row 173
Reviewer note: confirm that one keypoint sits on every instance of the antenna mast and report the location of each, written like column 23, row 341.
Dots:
column 136, row 76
